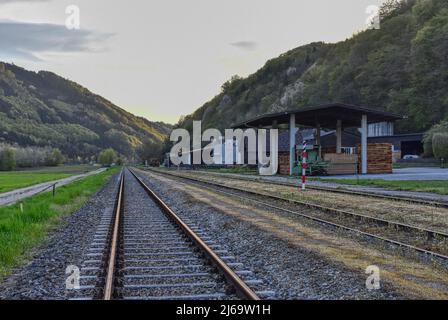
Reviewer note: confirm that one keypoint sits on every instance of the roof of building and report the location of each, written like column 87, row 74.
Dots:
column 325, row 115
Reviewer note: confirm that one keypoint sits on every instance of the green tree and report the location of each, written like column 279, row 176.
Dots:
column 151, row 150
column 229, row 84
column 107, row 157
column 392, row 8
column 440, row 145
column 7, row 159
column 55, row 158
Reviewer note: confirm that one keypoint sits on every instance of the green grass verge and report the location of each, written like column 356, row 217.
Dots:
column 22, row 231
column 11, row 180
column 434, row 186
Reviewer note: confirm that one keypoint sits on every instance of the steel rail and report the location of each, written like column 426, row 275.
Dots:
column 430, row 233
column 322, row 221
column 341, row 191
column 111, row 263
column 242, row 289
column 378, row 196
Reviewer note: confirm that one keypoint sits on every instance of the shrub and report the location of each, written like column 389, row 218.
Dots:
column 107, row 157
column 55, row 158
column 440, row 145
column 7, row 159
column 442, row 127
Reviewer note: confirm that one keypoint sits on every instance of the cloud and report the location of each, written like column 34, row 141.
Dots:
column 30, row 40
column 11, row 1
column 245, row 45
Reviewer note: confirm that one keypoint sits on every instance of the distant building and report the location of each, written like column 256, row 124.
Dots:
column 373, row 158
column 381, row 129
column 402, row 144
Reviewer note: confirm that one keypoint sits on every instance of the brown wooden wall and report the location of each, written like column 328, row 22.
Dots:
column 379, row 157
column 283, row 163
column 341, row 163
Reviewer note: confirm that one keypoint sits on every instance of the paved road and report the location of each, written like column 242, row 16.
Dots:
column 13, row 196
column 402, row 174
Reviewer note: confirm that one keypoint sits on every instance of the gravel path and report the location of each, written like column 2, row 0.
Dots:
column 291, row 271
column 44, row 276
column 13, row 196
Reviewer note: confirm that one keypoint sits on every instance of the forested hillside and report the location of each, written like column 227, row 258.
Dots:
column 43, row 109
column 402, row 68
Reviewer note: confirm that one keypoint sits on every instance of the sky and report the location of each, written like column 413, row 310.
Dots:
column 161, row 59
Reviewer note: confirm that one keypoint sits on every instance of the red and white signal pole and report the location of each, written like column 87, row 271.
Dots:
column 304, row 165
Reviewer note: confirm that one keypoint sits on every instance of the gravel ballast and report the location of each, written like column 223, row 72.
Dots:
column 292, row 272
column 286, row 267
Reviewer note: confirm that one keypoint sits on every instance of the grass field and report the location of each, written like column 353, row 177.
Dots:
column 435, row 186
column 74, row 169
column 22, row 231
column 10, row 180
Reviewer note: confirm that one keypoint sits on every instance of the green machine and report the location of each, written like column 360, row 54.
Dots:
column 316, row 165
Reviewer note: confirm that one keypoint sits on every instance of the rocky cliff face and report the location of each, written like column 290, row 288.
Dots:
column 402, row 68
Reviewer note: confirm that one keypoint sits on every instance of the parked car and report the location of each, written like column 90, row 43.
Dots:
column 411, row 157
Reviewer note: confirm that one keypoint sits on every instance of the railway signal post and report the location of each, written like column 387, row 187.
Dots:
column 304, row 165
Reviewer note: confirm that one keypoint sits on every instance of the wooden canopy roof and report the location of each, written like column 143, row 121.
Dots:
column 325, row 115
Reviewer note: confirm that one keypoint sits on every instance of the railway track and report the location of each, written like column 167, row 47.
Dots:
column 145, row 251
column 343, row 191
column 430, row 243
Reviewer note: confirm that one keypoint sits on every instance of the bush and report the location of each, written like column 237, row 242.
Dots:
column 442, row 127
column 440, row 145
column 55, row 158
column 107, row 157
column 7, row 159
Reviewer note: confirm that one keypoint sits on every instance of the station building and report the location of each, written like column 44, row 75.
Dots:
column 350, row 139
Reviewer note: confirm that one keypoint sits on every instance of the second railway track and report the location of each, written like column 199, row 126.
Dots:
column 424, row 241
column 150, row 253
column 339, row 190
